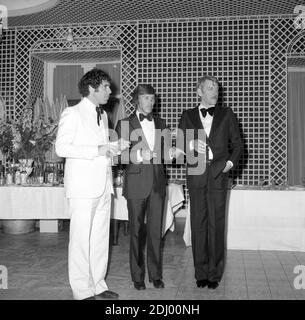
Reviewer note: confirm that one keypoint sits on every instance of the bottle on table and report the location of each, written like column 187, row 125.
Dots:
column 17, row 177
column 2, row 174
column 55, row 175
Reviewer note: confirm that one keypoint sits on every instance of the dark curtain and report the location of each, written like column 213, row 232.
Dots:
column 65, row 82
column 114, row 72
column 296, row 125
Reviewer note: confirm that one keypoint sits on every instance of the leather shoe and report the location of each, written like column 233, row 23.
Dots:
column 158, row 284
column 139, row 285
column 213, row 284
column 107, row 295
column 202, row 283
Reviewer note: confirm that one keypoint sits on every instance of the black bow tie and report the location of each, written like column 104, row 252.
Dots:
column 209, row 110
column 99, row 112
column 149, row 117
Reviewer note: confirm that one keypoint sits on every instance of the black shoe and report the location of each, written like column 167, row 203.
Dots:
column 107, row 295
column 139, row 285
column 158, row 284
column 89, row 298
column 202, row 283
column 213, row 284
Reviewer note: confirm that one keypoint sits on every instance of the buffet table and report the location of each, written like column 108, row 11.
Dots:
column 263, row 220
column 48, row 204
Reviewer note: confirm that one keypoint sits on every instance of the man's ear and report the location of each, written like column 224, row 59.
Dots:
column 199, row 92
column 91, row 89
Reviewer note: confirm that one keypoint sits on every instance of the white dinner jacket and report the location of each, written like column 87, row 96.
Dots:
column 77, row 140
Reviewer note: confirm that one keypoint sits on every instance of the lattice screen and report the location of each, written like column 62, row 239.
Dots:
column 249, row 56
column 7, row 71
column 281, row 33
column 174, row 55
column 27, row 38
column 36, row 79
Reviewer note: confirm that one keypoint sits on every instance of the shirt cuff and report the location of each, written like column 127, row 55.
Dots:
column 192, row 145
column 231, row 163
column 139, row 157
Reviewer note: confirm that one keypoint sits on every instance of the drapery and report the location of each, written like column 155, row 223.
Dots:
column 65, row 82
column 296, row 127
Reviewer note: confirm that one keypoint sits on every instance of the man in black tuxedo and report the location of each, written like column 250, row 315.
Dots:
column 219, row 147
column 144, row 185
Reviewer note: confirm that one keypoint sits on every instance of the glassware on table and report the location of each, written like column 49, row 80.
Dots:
column 261, row 182
column 303, row 181
column 285, row 184
column 2, row 180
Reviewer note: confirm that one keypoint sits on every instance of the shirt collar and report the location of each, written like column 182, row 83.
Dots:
column 90, row 104
column 202, row 106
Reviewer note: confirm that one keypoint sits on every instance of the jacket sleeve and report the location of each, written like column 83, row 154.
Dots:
column 181, row 139
column 67, row 129
column 235, row 139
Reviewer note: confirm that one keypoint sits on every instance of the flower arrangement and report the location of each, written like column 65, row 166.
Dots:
column 28, row 137
column 32, row 139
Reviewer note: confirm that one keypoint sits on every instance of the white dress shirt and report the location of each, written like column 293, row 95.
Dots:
column 207, row 124
column 148, row 128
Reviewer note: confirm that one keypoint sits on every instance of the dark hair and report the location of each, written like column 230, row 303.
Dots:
column 92, row 78
column 140, row 90
column 205, row 78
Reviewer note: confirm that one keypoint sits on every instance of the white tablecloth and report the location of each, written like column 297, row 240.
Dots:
column 263, row 220
column 17, row 202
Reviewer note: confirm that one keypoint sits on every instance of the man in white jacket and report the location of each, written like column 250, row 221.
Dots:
column 83, row 139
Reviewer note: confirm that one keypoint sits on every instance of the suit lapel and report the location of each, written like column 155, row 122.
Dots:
column 218, row 116
column 195, row 118
column 158, row 125
column 135, row 125
column 96, row 133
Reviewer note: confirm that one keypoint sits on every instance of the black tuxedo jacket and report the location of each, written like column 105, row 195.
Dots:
column 224, row 133
column 140, row 178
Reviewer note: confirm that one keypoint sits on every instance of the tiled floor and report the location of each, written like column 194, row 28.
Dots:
column 37, row 269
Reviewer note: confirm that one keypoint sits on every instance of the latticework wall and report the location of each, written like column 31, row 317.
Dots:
column 7, row 71
column 36, row 79
column 126, row 35
column 174, row 55
column 248, row 55
column 282, row 32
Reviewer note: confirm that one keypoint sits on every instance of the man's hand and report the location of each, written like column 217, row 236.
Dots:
column 147, row 154
column 123, row 144
column 175, row 152
column 109, row 149
column 198, row 145
column 228, row 166
column 114, row 148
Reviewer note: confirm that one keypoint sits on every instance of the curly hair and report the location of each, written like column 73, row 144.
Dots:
column 92, row 78
column 140, row 90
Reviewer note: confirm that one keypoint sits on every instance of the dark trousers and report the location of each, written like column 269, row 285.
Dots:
column 152, row 206
column 207, row 208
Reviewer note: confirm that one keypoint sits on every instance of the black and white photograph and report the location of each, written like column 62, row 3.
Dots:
column 152, row 152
